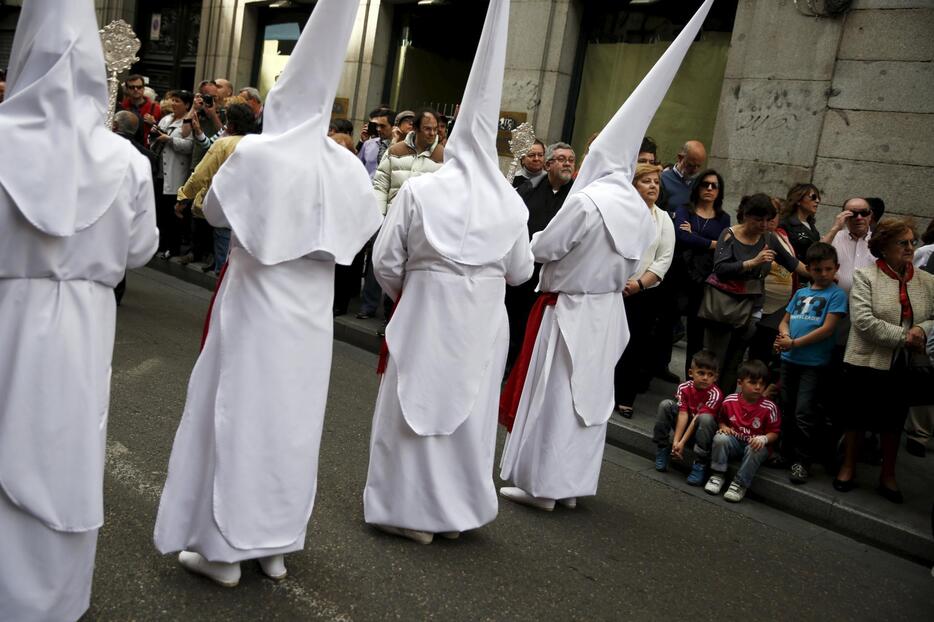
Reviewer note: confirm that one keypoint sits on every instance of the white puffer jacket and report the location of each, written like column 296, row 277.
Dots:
column 401, row 161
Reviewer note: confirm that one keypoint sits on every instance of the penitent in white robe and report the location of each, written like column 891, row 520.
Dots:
column 57, row 320
column 433, row 439
column 243, row 470
column 556, row 446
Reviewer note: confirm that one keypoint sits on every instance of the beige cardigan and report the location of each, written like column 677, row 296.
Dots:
column 876, row 330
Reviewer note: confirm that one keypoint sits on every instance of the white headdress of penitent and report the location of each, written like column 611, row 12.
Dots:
column 470, row 212
column 59, row 164
column 291, row 191
column 605, row 176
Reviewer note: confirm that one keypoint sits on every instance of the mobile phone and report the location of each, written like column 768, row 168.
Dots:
column 188, row 121
column 372, row 128
column 208, row 100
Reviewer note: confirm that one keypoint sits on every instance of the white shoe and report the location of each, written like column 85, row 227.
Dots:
column 735, row 493
column 570, row 503
column 273, row 567
column 222, row 573
column 520, row 496
column 714, row 484
column 422, row 537
column 450, row 535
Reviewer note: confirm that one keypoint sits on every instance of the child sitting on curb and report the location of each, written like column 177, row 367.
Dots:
column 749, row 423
column 693, row 415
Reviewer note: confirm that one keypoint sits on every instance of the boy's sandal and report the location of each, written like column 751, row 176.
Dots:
column 624, row 411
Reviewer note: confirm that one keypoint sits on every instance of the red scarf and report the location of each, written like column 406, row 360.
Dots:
column 903, row 299
column 207, row 319
column 509, row 399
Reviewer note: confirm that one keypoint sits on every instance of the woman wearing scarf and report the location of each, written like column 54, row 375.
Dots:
column 892, row 315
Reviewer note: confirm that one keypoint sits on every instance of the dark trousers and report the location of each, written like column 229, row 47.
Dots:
column 169, row 224
column 347, row 283
column 728, row 344
column 372, row 292
column 519, row 302
column 803, row 428
column 695, row 325
column 668, row 321
column 666, row 421
column 202, row 238
column 635, row 367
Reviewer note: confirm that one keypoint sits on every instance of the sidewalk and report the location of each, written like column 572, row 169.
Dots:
column 862, row 513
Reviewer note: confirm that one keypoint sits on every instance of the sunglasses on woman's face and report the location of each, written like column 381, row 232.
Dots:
column 813, row 196
column 709, row 185
column 907, row 243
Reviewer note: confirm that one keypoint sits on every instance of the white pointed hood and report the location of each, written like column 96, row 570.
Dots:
column 470, row 212
column 59, row 164
column 291, row 190
column 605, row 176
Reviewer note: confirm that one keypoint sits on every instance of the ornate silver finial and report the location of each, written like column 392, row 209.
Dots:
column 523, row 137
column 120, row 47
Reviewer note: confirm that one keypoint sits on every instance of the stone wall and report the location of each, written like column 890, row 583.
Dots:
column 845, row 102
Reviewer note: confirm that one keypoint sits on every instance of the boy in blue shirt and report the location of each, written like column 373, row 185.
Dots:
column 806, row 340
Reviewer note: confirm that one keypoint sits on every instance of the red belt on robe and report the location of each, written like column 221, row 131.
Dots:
column 207, row 320
column 509, row 398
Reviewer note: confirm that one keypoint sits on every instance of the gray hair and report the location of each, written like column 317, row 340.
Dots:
column 126, row 122
column 550, row 151
column 251, row 92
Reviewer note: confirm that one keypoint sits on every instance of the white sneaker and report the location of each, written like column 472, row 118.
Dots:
column 570, row 503
column 714, row 484
column 735, row 493
column 273, row 567
column 520, row 496
column 222, row 573
column 422, row 537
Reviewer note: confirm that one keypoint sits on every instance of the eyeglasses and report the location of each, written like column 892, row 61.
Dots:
column 135, row 87
column 861, row 213
column 563, row 159
column 813, row 196
column 907, row 243
column 709, row 185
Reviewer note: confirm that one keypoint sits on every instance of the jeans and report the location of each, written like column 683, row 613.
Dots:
column 726, row 448
column 802, row 425
column 221, row 248
column 703, row 432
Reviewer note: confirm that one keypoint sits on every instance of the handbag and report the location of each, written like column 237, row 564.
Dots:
column 726, row 302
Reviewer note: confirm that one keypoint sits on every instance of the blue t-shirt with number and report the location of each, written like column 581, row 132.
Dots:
column 808, row 309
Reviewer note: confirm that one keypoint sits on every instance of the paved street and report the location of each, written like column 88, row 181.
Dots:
column 647, row 547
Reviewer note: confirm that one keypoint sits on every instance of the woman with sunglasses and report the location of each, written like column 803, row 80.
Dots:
column 698, row 224
column 892, row 314
column 797, row 219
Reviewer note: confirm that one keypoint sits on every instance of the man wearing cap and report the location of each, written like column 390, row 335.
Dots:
column 76, row 210
column 243, row 472
column 449, row 245
column 559, row 395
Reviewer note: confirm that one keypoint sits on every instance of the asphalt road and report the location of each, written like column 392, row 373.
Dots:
column 647, row 547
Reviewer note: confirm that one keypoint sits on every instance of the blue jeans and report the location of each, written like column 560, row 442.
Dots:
column 726, row 448
column 221, row 248
column 667, row 420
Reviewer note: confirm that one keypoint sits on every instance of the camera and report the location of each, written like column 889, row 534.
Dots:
column 208, row 100
column 372, row 129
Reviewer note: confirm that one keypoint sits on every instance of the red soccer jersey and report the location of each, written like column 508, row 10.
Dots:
column 697, row 402
column 749, row 420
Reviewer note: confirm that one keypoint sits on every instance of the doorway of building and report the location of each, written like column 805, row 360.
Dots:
column 168, row 31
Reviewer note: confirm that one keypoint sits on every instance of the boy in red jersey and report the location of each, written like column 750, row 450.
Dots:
column 693, row 415
column 749, row 423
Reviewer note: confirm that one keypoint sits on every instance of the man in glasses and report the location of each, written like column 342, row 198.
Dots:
column 849, row 235
column 136, row 102
column 677, row 179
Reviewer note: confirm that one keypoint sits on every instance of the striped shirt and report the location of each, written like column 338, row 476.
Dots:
column 749, row 420
column 697, row 402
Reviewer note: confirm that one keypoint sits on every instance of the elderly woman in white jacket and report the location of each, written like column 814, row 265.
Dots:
column 641, row 301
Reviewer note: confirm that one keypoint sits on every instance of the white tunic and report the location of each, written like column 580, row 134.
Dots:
column 434, row 429
column 556, row 445
column 57, row 319
column 243, row 470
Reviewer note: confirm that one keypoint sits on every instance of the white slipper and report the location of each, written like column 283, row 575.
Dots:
column 422, row 537
column 520, row 496
column 221, row 573
column 273, row 567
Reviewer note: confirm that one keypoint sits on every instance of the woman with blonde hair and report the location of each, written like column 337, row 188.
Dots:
column 640, row 297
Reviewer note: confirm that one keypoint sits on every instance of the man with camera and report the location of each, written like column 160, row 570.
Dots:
column 136, row 102
column 375, row 139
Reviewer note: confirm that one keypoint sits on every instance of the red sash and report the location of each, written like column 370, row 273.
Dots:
column 207, row 319
column 512, row 391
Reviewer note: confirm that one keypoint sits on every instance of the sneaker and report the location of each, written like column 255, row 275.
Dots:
column 714, row 484
column 696, row 476
column 520, row 496
column 662, row 456
column 735, row 493
column 798, row 473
